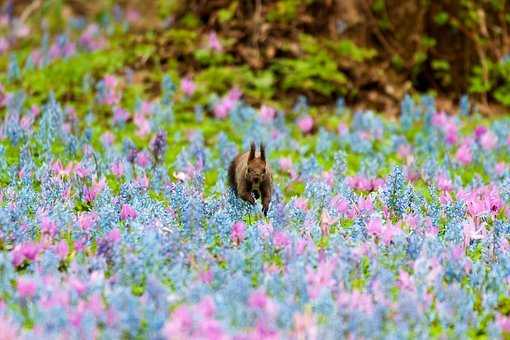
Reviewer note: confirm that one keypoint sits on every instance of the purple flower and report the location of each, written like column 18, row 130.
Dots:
column 480, row 130
column 158, row 145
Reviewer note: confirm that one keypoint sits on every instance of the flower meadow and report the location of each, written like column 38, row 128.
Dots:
column 117, row 222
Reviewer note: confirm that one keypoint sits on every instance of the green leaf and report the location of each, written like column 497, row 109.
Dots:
column 441, row 18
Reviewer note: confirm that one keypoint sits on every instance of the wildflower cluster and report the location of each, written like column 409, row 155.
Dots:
column 117, row 221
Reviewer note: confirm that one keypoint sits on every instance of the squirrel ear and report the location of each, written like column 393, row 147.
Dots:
column 262, row 152
column 252, row 151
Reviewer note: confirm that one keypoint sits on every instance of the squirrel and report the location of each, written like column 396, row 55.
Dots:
column 251, row 177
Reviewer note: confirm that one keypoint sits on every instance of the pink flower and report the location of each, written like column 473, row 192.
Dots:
column 489, row 141
column 301, row 246
column 503, row 322
column 110, row 95
column 377, row 183
column 258, row 300
column 82, row 171
column 87, row 220
column 114, row 235
column 285, row 164
column 207, row 307
column 78, row 285
column 411, row 220
column 179, row 325
column 329, row 178
column 8, row 329
column 342, row 129
column 405, row 281
column 472, row 232
column 389, row 231
column 500, row 168
column 281, row 240
column 142, row 181
column 3, row 96
column 4, row 45
column 326, row 222
column 267, row 114
column 17, row 257
column 210, row 329
column 439, row 119
column 120, row 115
column 143, row 125
column 404, row 150
column 365, row 204
column 143, row 159
column 62, row 249
column 26, row 287
column 265, row 230
column 28, row 251
column 301, row 203
column 206, row 276
column 305, row 326
column 444, row 183
column 188, row 86
column 234, row 94
column 90, row 194
column 480, row 131
column 375, row 226
column 107, row 138
column 133, row 16
column 356, row 301
column 21, row 30
column 37, row 57
column 305, row 124
column 238, row 232
column 463, row 155
column 340, row 204
column 222, row 109
column 26, row 123
column 214, row 42
column 451, row 133
column 48, row 226
column 321, row 278
column 117, row 169
column 95, row 305
column 127, row 212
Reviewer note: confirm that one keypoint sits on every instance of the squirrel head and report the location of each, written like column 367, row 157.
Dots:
column 256, row 169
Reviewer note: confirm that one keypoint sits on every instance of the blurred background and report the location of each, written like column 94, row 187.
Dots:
column 369, row 53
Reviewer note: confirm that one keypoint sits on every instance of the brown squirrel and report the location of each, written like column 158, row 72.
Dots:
column 251, row 177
